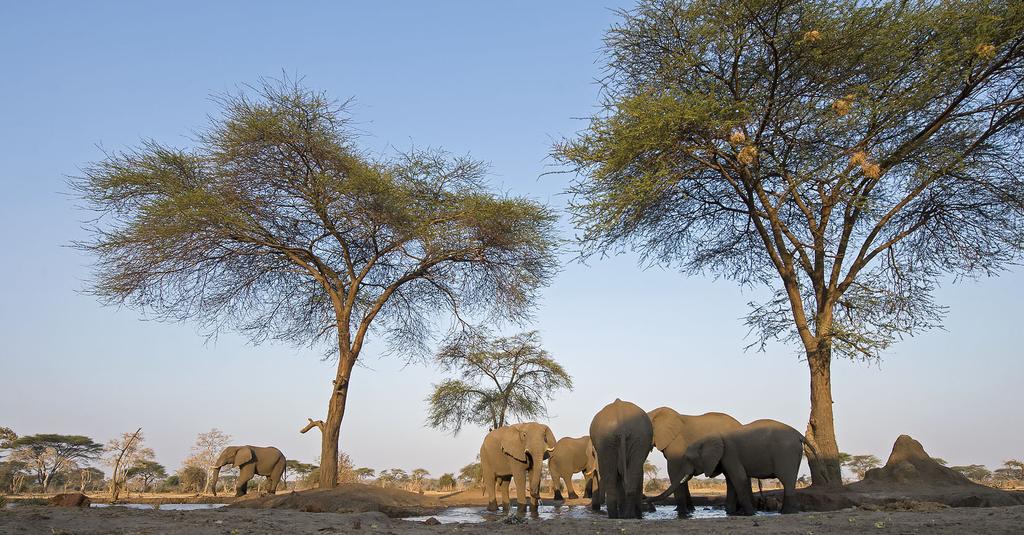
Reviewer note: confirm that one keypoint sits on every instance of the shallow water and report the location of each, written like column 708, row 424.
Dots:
column 548, row 512
column 164, row 506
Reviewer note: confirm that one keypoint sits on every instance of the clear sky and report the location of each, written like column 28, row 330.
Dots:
column 498, row 82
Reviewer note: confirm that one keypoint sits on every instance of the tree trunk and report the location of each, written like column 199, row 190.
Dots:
column 331, row 430
column 821, row 433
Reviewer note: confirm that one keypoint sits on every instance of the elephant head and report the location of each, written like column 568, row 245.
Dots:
column 705, row 456
column 530, row 444
column 233, row 455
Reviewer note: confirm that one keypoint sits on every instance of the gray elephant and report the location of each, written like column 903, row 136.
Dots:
column 573, row 455
column 251, row 461
column 510, row 453
column 762, row 449
column 623, row 436
column 674, row 432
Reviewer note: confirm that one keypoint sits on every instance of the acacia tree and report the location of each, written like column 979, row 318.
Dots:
column 860, row 464
column 123, row 453
column 275, row 225
column 146, row 471
column 47, row 454
column 845, row 155
column 499, row 377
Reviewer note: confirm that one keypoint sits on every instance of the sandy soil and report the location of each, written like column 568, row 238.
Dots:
column 67, row 521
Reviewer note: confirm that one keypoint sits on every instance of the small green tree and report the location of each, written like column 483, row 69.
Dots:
column 446, row 481
column 860, row 464
column 365, row 474
column 846, row 156
column 275, row 225
column 146, row 471
column 471, row 475
column 192, row 478
column 417, row 477
column 499, row 378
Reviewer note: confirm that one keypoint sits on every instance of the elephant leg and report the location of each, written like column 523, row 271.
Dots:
column 730, row 498
column 519, row 476
column 275, row 477
column 489, row 480
column 789, row 504
column 571, row 488
column 633, row 487
column 737, row 475
column 245, row 473
column 588, row 487
column 614, row 497
column 503, row 487
column 556, row 485
column 597, row 498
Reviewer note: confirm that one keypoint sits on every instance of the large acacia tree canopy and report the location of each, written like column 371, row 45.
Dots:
column 275, row 224
column 858, row 150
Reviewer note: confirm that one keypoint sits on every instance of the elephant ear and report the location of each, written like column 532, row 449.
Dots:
column 667, row 426
column 513, row 443
column 711, row 451
column 243, row 455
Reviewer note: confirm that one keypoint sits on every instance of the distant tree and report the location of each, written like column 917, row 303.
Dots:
column 7, row 438
column 146, row 471
column 975, row 472
column 12, row 475
column 47, row 454
column 192, row 478
column 1015, row 467
column 860, row 464
column 499, row 378
column 392, row 478
column 88, row 477
column 417, row 477
column 277, row 226
column 299, row 469
column 365, row 474
column 123, row 453
column 846, row 156
column 205, row 451
column 446, row 481
column 471, row 475
column 940, row 460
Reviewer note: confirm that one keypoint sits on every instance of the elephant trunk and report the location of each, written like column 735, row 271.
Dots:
column 213, row 478
column 670, row 490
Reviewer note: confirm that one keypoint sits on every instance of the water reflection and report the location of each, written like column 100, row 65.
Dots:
column 547, row 512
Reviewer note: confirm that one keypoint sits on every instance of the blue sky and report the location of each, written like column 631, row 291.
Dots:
column 499, row 83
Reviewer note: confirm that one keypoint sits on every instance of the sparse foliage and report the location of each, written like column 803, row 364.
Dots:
column 192, row 478
column 499, row 378
column 121, row 454
column 275, row 225
column 446, row 481
column 204, row 452
column 146, row 471
column 846, row 156
column 975, row 472
column 471, row 475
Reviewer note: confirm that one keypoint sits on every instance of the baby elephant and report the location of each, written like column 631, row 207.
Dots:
column 573, row 455
column 762, row 449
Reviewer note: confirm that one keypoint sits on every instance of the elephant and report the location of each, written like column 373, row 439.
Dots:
column 623, row 436
column 251, row 461
column 762, row 449
column 573, row 455
column 674, row 432
column 509, row 453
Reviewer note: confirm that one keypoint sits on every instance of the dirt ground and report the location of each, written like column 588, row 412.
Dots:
column 68, row 521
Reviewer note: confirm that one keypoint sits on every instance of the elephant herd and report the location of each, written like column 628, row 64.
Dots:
column 612, row 457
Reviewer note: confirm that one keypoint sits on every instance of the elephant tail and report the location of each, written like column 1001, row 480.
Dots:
column 809, row 446
column 622, row 456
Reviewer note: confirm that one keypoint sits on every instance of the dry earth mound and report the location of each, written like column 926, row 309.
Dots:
column 349, row 498
column 912, row 474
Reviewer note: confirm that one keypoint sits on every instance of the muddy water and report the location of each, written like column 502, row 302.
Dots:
column 547, row 512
